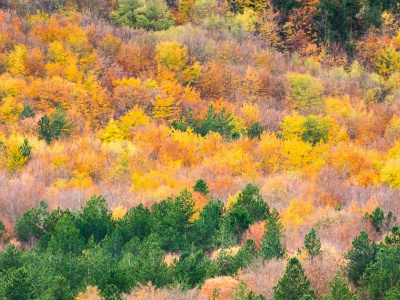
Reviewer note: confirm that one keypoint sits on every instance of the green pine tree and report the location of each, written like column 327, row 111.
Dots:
column 339, row 290
column 312, row 244
column 294, row 285
column 271, row 246
column 201, row 187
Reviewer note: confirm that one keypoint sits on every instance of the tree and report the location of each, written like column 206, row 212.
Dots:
column 271, row 246
column 30, row 226
column 26, row 149
column 60, row 126
column 255, row 131
column 95, row 219
column 339, row 290
column 312, row 244
column 45, row 130
column 306, row 91
column 250, row 198
column 67, row 238
column 20, row 285
column 359, row 256
column 201, row 187
column 27, row 113
column 381, row 275
column 315, row 131
column 377, row 218
column 56, row 126
column 137, row 222
column 294, row 285
column 59, row 290
column 203, row 231
column 147, row 14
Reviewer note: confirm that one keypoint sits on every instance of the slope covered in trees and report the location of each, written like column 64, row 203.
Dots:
column 287, row 111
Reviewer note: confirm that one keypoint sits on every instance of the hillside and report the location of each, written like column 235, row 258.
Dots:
column 200, row 149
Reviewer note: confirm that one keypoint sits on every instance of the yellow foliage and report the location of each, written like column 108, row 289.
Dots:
column 248, row 19
column 301, row 156
column 11, row 86
column 10, row 109
column 270, row 152
column 297, row 213
column 81, row 180
column 92, row 293
column 250, row 113
column 390, row 172
column 120, row 130
column 164, row 107
column 292, row 126
column 119, row 212
column 16, row 60
column 171, row 55
column 14, row 160
column 192, row 73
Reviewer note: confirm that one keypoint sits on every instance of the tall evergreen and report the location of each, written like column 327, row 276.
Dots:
column 294, row 285
column 312, row 244
column 271, row 246
column 359, row 256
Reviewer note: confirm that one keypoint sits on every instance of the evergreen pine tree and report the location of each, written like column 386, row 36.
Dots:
column 201, row 187
column 44, row 129
column 360, row 255
column 339, row 290
column 312, row 244
column 294, row 285
column 60, row 126
column 271, row 243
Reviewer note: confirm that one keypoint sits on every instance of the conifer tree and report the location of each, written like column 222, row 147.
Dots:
column 312, row 244
column 339, row 290
column 294, row 284
column 271, row 243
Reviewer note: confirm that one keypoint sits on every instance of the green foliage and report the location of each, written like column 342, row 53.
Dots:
column 339, row 290
column 171, row 220
column 221, row 122
column 26, row 149
column 378, row 219
column 201, row 187
column 58, row 290
column 250, row 198
column 204, row 230
column 381, row 275
column 45, row 130
column 147, row 14
column 137, row 222
column 242, row 292
column 315, row 131
column 193, row 269
column 30, row 226
column 27, row 113
column 271, row 242
column 359, row 256
column 294, row 285
column 66, row 238
column 95, row 219
column 255, row 130
column 306, row 91
column 55, row 127
column 312, row 244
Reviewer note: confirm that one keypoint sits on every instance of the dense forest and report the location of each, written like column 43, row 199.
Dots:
column 200, row 149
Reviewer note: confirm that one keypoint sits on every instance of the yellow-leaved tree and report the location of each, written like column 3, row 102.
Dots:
column 10, row 109
column 120, row 130
column 172, row 55
column 16, row 60
column 92, row 293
